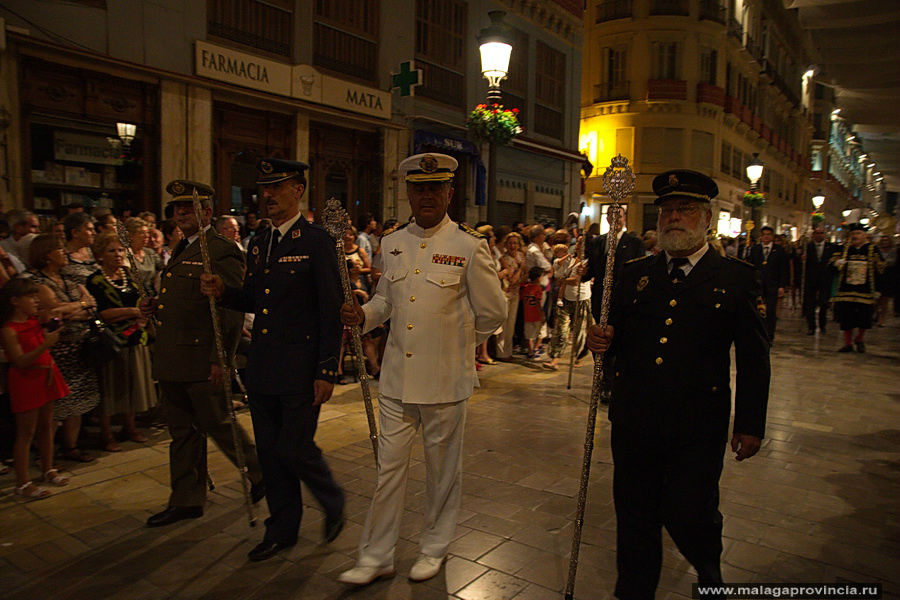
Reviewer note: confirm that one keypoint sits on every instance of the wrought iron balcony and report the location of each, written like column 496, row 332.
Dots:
column 669, row 7
column 614, row 9
column 612, row 90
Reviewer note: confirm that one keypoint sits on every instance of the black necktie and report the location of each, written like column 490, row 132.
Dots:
column 276, row 237
column 180, row 247
column 677, row 273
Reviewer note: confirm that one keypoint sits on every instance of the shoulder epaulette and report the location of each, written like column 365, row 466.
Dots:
column 639, row 258
column 740, row 260
column 396, row 229
column 469, row 230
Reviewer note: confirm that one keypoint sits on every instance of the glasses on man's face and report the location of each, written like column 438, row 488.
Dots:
column 683, row 210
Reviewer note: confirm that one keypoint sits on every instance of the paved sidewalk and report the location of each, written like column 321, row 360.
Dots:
column 819, row 503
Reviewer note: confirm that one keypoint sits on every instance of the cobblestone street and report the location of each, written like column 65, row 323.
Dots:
column 819, row 502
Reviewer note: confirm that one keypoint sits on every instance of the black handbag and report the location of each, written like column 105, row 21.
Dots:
column 101, row 344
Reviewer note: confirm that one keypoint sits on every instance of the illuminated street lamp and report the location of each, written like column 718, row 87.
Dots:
column 126, row 133
column 493, row 42
column 755, row 171
column 818, row 200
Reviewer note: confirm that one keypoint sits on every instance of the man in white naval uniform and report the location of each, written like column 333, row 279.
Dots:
column 443, row 297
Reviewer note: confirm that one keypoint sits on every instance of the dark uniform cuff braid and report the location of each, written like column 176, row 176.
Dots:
column 327, row 370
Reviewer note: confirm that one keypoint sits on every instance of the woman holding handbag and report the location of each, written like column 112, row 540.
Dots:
column 126, row 384
column 62, row 298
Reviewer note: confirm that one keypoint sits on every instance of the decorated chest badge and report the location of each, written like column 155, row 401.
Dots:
column 295, row 234
column 293, row 259
column 446, row 259
column 761, row 306
column 642, row 283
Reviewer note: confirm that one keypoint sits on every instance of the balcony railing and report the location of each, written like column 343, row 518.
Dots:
column 614, row 9
column 441, row 84
column 252, row 23
column 612, row 90
column 666, row 89
column 712, row 10
column 711, row 94
column 669, row 7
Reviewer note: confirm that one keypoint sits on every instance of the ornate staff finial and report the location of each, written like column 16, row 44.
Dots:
column 618, row 179
column 335, row 218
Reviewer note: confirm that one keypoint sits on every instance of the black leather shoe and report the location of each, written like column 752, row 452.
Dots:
column 173, row 514
column 257, row 491
column 860, row 347
column 266, row 549
column 847, row 348
column 333, row 528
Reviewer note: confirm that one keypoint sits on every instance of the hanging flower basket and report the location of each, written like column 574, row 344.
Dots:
column 754, row 199
column 493, row 123
column 816, row 218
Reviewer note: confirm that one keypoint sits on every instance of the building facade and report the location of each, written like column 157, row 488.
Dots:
column 212, row 86
column 703, row 85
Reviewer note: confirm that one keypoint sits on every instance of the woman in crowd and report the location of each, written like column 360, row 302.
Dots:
column 482, row 356
column 148, row 263
column 358, row 257
column 171, row 237
column 126, row 385
column 61, row 297
column 80, row 233
column 512, row 273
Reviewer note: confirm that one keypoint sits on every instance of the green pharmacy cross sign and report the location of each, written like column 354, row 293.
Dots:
column 406, row 79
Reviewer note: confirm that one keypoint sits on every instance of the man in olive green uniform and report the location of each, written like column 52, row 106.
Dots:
column 186, row 361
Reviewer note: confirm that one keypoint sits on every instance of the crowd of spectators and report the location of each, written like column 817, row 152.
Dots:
column 59, row 279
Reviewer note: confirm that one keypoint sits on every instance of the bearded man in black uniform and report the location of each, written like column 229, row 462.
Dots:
column 673, row 321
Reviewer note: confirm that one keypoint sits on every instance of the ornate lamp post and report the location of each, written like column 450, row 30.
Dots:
column 818, row 200
column 493, row 43
column 126, row 133
column 754, row 173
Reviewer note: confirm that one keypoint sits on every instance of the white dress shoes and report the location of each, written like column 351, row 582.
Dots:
column 365, row 575
column 425, row 567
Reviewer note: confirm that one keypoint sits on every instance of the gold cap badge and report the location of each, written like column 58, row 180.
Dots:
column 428, row 164
column 266, row 167
column 673, row 180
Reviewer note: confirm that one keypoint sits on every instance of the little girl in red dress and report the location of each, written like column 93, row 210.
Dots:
column 34, row 382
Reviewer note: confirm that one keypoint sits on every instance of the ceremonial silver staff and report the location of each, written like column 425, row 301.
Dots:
column 225, row 366
column 576, row 322
column 335, row 220
column 618, row 181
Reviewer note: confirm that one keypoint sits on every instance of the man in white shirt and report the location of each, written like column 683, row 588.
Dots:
column 24, row 227
column 443, row 297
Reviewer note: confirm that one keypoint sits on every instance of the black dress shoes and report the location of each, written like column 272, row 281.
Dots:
column 266, row 549
column 173, row 514
column 257, row 491
column 333, row 528
column 847, row 348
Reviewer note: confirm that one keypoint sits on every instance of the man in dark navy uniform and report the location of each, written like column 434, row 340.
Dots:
column 293, row 287
column 673, row 321
column 775, row 272
column 817, row 276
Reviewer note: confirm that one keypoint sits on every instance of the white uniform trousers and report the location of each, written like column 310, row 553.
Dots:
column 442, row 432
column 505, row 339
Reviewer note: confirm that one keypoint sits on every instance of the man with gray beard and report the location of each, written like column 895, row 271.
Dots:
column 673, row 321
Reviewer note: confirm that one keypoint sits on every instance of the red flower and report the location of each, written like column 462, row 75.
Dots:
column 515, row 110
